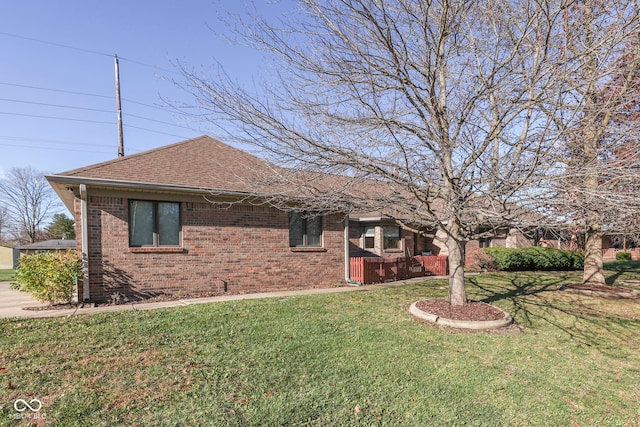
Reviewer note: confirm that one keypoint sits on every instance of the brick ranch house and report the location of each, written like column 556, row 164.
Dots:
column 184, row 219
column 176, row 221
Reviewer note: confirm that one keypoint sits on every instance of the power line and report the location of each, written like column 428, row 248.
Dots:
column 55, row 118
column 56, row 90
column 158, row 121
column 58, row 142
column 55, row 105
column 88, row 94
column 167, row 110
column 156, row 131
column 85, row 109
column 52, row 141
column 55, row 44
column 53, row 148
column 79, row 49
column 93, row 52
column 100, row 122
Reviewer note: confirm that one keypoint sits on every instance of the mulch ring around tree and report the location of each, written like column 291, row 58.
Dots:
column 473, row 315
column 602, row 291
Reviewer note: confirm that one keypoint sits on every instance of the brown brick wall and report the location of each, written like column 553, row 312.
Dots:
column 232, row 249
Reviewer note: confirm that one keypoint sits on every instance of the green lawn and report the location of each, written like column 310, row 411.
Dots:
column 6, row 275
column 343, row 359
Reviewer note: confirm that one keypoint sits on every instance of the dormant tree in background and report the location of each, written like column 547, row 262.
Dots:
column 29, row 199
column 435, row 101
column 5, row 223
column 597, row 92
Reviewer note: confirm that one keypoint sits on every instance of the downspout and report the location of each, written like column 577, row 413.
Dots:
column 347, row 267
column 84, row 227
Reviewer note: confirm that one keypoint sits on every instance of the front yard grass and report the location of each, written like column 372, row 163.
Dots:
column 342, row 359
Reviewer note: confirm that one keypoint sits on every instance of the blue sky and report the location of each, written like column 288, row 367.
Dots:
column 57, row 90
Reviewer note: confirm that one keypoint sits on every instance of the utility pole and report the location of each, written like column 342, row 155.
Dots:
column 119, row 110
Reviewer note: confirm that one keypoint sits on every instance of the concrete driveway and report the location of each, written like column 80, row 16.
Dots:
column 12, row 301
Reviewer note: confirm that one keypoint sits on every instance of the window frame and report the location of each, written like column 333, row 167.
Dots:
column 484, row 242
column 366, row 238
column 303, row 217
column 398, row 246
column 156, row 237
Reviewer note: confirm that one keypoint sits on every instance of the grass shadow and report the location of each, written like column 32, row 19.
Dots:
column 619, row 270
column 534, row 299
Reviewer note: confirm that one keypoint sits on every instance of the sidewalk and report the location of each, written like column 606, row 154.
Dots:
column 12, row 302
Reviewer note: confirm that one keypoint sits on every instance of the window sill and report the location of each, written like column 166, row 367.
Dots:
column 307, row 249
column 158, row 250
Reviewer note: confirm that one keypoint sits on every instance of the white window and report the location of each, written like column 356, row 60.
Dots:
column 369, row 236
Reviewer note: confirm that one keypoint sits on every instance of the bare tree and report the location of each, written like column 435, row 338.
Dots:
column 5, row 223
column 598, row 56
column 437, row 101
column 29, row 200
column 449, row 105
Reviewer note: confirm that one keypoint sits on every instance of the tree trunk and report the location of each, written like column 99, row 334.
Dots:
column 456, row 248
column 593, row 267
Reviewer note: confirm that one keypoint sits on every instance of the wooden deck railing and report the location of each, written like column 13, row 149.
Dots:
column 377, row 270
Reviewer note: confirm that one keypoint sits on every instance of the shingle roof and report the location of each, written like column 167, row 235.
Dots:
column 201, row 162
column 205, row 165
column 51, row 245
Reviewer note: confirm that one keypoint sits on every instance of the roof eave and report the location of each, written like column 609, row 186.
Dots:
column 63, row 185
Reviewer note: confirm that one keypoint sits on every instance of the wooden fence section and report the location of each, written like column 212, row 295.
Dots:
column 610, row 254
column 377, row 270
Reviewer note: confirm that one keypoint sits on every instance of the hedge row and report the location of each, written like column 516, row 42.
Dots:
column 536, row 258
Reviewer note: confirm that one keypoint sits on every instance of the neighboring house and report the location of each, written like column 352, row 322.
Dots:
column 146, row 226
column 47, row 246
column 506, row 238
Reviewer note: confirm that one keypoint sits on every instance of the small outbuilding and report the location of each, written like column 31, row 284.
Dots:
column 47, row 246
column 8, row 257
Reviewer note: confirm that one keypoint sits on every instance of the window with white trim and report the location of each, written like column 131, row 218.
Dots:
column 369, row 236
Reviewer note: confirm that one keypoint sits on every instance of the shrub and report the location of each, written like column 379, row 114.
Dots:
column 477, row 259
column 623, row 256
column 536, row 258
column 49, row 277
column 578, row 260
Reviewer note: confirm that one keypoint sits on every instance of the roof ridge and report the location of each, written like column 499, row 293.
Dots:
column 150, row 151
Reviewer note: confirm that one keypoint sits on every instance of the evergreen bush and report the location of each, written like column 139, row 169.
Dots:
column 623, row 256
column 536, row 258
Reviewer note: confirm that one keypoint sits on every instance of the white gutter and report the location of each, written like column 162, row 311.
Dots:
column 84, row 231
column 347, row 265
column 347, row 275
